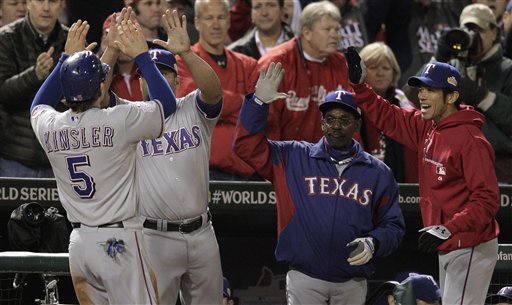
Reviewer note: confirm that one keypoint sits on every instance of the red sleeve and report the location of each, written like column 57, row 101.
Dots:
column 403, row 125
column 187, row 83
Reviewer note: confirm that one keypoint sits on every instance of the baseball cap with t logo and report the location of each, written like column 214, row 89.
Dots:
column 163, row 58
column 437, row 75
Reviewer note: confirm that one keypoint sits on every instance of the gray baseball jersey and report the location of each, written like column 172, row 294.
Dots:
column 172, row 171
column 93, row 159
column 172, row 174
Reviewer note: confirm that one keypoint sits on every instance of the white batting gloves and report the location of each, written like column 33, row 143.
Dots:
column 362, row 253
column 266, row 87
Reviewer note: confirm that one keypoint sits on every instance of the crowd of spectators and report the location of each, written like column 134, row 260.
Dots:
column 239, row 37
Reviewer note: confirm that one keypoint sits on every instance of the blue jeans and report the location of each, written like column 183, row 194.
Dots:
column 11, row 168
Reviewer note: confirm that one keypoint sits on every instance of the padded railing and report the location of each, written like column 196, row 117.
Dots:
column 32, row 262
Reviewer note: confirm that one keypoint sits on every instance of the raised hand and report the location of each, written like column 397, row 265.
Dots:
column 117, row 19
column 356, row 67
column 266, row 87
column 178, row 40
column 44, row 64
column 131, row 39
column 75, row 41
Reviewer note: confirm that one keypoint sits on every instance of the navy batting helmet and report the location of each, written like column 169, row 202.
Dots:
column 81, row 75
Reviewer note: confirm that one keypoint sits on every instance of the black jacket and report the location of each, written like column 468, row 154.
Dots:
column 247, row 44
column 20, row 45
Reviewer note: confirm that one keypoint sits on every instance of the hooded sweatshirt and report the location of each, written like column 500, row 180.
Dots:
column 457, row 180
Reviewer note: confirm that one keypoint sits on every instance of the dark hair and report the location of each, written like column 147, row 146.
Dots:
column 83, row 105
column 447, row 91
column 135, row 8
column 279, row 2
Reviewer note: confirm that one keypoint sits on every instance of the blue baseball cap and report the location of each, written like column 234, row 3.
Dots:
column 504, row 295
column 425, row 287
column 226, row 292
column 437, row 75
column 163, row 58
column 342, row 99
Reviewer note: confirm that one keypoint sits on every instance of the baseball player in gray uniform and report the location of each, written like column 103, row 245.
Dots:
column 172, row 174
column 92, row 153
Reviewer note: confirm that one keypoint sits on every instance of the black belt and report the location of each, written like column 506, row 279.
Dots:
column 119, row 224
column 185, row 227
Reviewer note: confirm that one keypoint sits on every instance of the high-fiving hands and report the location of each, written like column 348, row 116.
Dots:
column 131, row 40
column 266, row 87
column 75, row 41
column 117, row 20
column 178, row 41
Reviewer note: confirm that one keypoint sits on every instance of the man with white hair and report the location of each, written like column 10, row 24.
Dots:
column 314, row 68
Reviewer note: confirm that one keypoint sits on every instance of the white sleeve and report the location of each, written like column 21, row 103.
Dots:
column 143, row 120
column 39, row 118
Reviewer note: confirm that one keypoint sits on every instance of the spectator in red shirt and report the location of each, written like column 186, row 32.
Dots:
column 237, row 73
column 314, row 67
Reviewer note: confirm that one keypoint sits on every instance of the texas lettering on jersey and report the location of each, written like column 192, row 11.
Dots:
column 77, row 138
column 173, row 141
column 330, row 186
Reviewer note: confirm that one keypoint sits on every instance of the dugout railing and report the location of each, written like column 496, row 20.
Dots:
column 17, row 263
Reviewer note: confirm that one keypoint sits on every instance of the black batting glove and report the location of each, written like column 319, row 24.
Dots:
column 470, row 93
column 432, row 237
column 356, row 67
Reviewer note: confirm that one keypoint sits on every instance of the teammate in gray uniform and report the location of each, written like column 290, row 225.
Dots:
column 92, row 153
column 172, row 174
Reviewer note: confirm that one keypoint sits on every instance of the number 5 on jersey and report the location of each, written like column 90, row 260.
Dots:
column 81, row 182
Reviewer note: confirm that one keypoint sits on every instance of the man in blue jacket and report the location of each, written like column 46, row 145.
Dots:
column 337, row 205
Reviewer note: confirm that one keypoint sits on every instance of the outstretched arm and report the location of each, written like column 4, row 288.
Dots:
column 250, row 143
column 178, row 42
